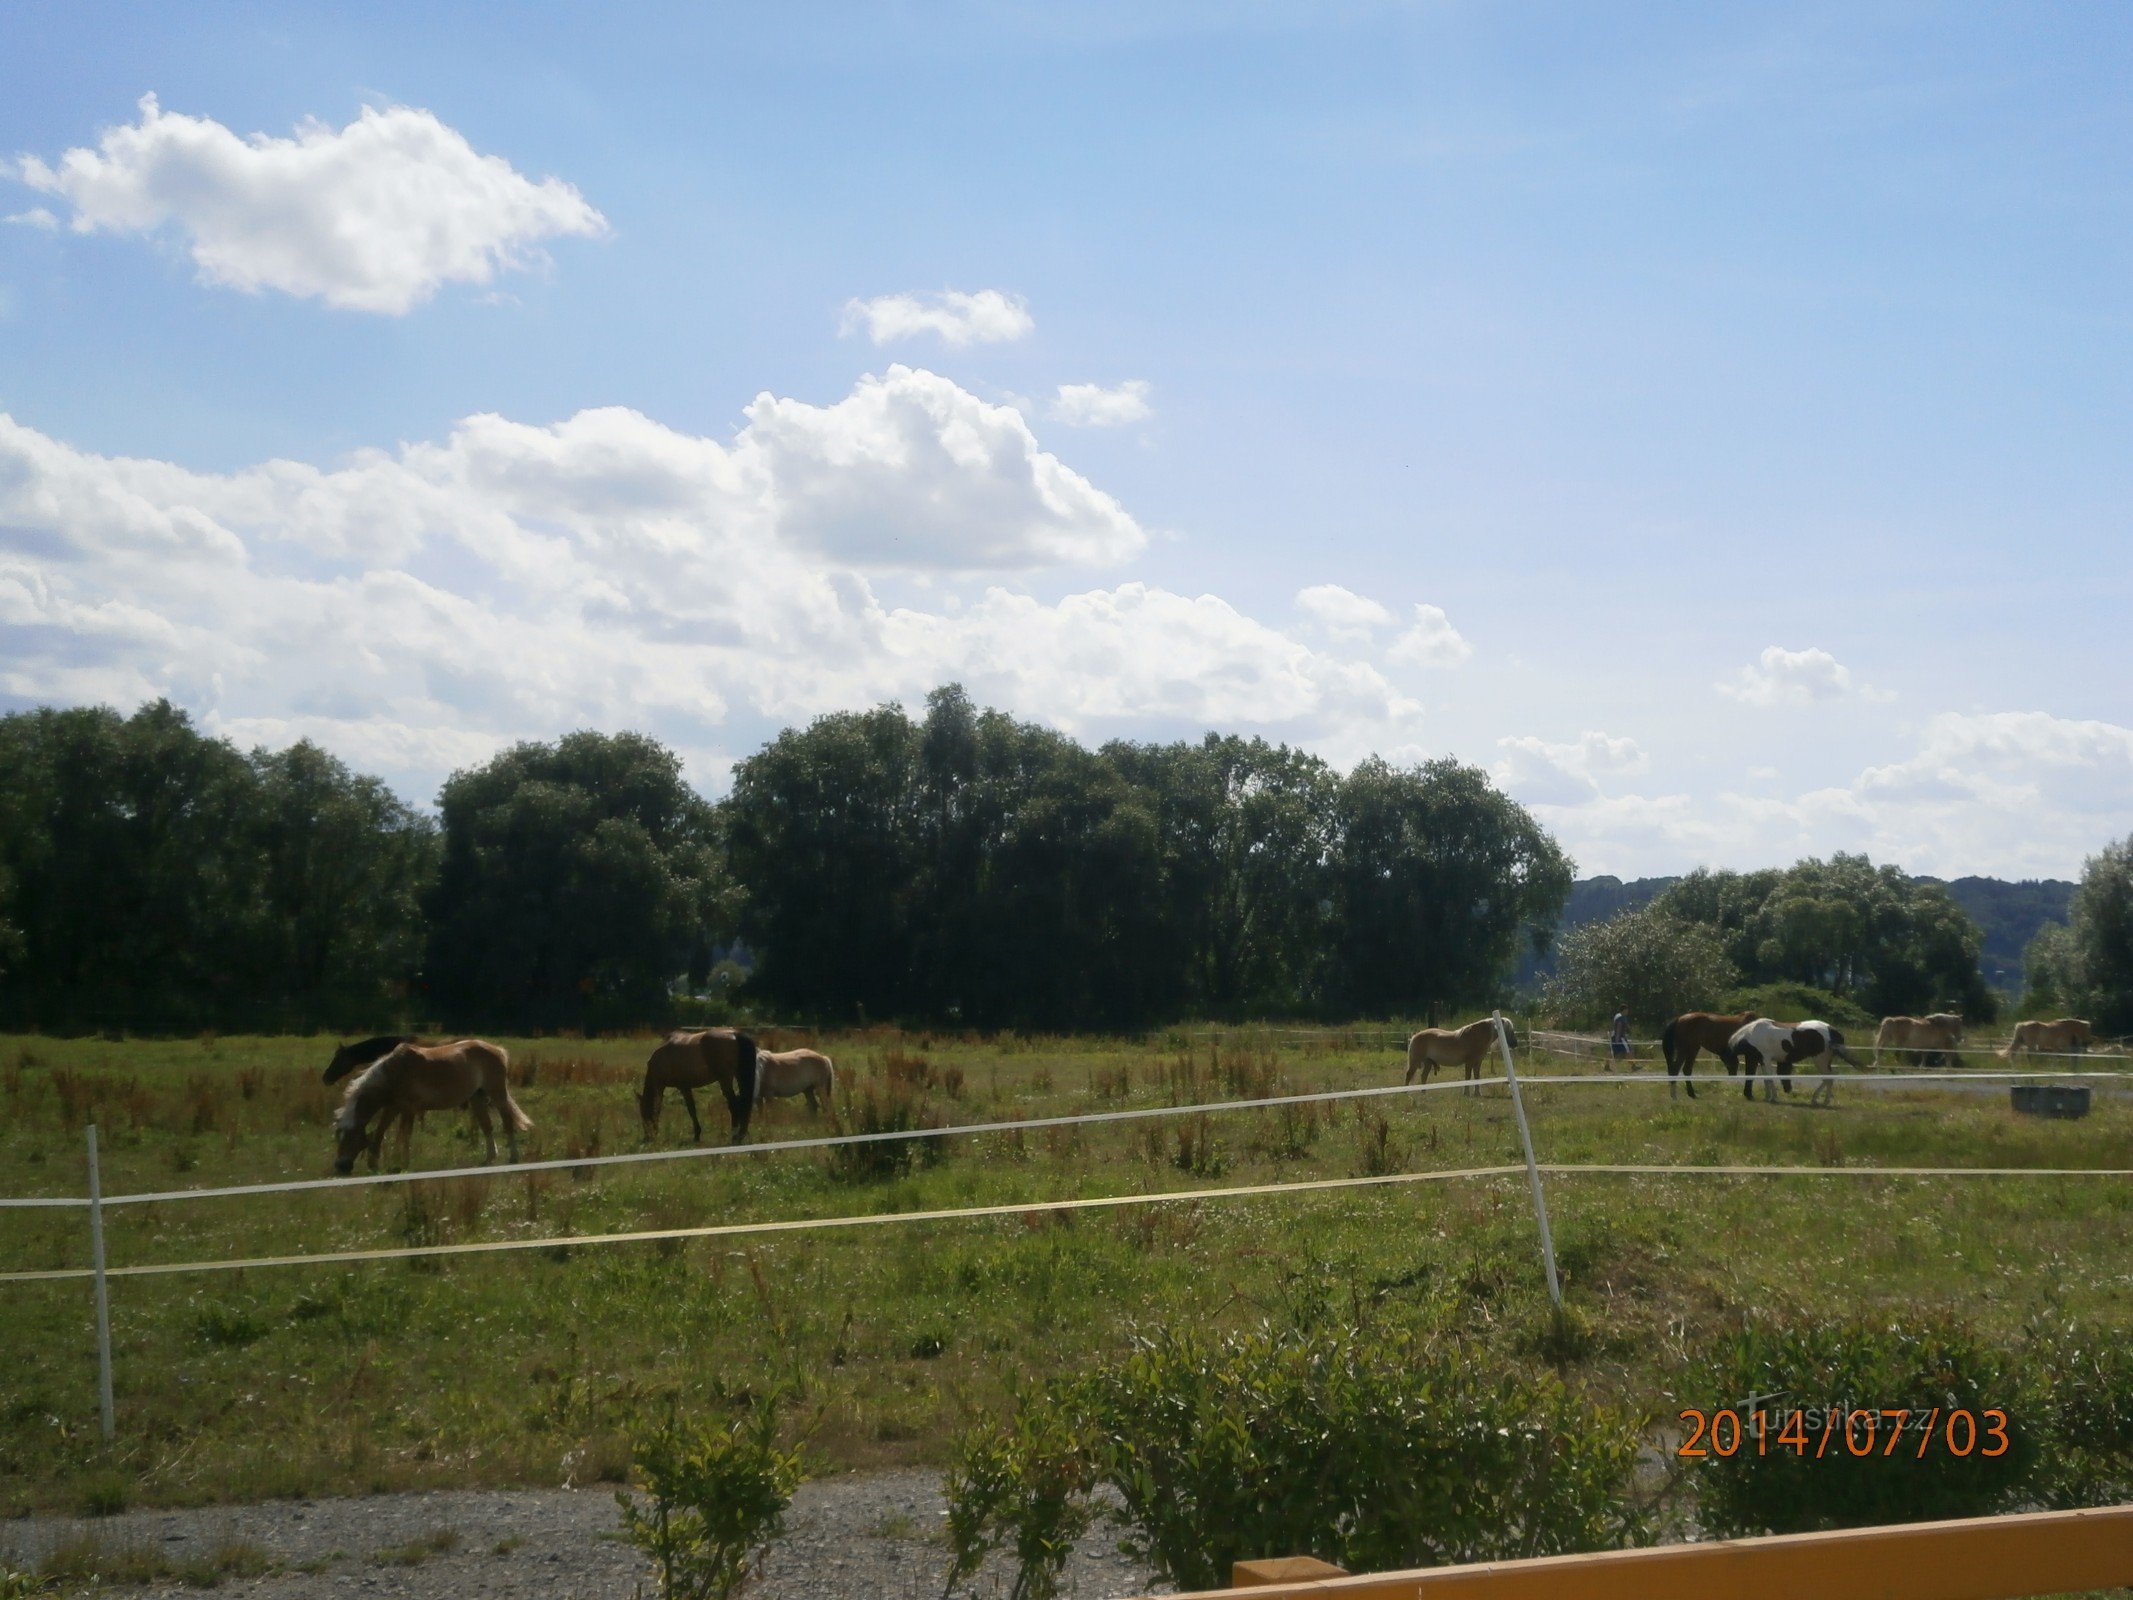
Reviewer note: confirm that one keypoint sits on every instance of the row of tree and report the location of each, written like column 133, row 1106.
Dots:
column 970, row 867
column 959, row 867
column 1879, row 942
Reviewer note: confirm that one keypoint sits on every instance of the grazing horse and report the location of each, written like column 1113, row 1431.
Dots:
column 1692, row 1031
column 692, row 1057
column 413, row 1078
column 780, row 1074
column 1782, row 1046
column 1932, row 1040
column 2069, row 1036
column 349, row 1058
column 1465, row 1047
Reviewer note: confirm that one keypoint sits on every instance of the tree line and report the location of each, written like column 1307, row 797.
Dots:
column 957, row 867
column 961, row 867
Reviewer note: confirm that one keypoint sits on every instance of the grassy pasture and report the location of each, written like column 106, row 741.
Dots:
column 520, row 1367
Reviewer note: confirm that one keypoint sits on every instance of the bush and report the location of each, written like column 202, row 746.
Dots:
column 717, row 1495
column 1371, row 1451
column 1797, row 1002
column 1817, row 1367
column 2083, row 1397
column 1654, row 967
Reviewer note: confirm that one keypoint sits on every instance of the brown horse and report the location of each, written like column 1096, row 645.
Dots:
column 1465, row 1047
column 689, row 1058
column 1693, row 1031
column 781, row 1074
column 2069, row 1036
column 412, row 1079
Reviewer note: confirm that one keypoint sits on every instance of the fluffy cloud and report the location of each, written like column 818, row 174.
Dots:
column 1784, row 677
column 991, row 316
column 416, row 610
column 1431, row 641
column 2012, row 793
column 1091, row 405
column 1541, row 773
column 1344, row 614
column 371, row 217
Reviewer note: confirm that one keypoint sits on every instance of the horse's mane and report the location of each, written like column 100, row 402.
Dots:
column 359, row 1101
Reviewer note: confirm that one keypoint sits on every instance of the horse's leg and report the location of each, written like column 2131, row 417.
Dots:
column 407, row 1140
column 478, row 1109
column 696, row 1123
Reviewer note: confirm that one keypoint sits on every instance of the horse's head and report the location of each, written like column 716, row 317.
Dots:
column 1512, row 1036
column 351, row 1124
column 351, row 1137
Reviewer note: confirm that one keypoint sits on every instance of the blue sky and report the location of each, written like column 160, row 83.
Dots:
column 1740, row 393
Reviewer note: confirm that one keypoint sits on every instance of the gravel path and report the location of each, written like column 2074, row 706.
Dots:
column 875, row 1537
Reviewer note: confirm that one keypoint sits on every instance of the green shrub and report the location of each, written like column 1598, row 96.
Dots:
column 2082, row 1392
column 1809, row 1369
column 1373, row 1451
column 1798, row 1002
column 716, row 1495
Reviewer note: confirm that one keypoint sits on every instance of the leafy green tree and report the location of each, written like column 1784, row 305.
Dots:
column 1651, row 965
column 1891, row 942
column 1436, row 879
column 2086, row 966
column 161, row 879
column 1245, row 831
column 822, row 826
column 2051, row 978
column 577, row 881
column 342, row 863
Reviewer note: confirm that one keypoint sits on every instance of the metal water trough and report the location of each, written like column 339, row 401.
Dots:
column 2051, row 1099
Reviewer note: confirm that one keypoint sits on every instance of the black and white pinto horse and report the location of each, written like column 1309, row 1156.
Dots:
column 1783, row 1046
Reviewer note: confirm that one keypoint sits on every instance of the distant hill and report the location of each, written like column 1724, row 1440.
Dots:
column 2008, row 914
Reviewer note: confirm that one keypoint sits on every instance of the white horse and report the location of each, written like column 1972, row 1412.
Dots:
column 1782, row 1046
column 780, row 1074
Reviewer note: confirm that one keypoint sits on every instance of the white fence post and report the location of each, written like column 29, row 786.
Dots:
column 1525, row 1137
column 103, row 1298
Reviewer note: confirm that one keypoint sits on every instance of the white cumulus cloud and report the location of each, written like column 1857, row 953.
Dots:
column 1430, row 641
column 1091, row 405
column 1343, row 613
column 991, row 316
column 375, row 216
column 1781, row 677
column 417, row 609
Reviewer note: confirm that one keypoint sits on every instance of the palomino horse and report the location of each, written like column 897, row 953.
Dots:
column 1465, row 1047
column 1782, row 1046
column 349, row 1058
column 689, row 1058
column 1930, row 1041
column 2069, row 1036
column 1693, row 1031
column 414, row 1078
column 780, row 1074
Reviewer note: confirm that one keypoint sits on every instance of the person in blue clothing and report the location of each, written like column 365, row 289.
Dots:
column 1618, row 1041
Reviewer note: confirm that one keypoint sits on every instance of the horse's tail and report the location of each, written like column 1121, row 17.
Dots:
column 1666, row 1042
column 506, row 1107
column 746, row 1071
column 648, row 1098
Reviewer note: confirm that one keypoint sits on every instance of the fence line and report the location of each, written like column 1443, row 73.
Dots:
column 1034, row 1207
column 1077, row 1119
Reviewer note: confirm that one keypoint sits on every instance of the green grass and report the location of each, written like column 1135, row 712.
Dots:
column 525, row 1367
